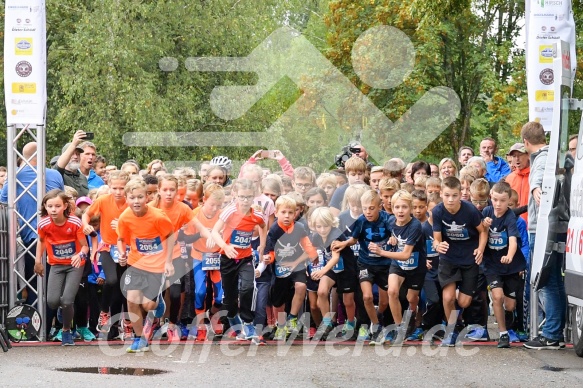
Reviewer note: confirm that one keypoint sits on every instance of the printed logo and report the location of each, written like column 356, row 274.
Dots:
column 546, row 54
column 24, row 87
column 128, row 279
column 23, row 69
column 547, row 77
column 23, row 46
column 544, row 95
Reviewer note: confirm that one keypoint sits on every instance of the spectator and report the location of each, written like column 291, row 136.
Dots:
column 434, row 170
column 3, row 176
column 154, row 166
column 69, row 162
column 518, row 179
column 86, row 163
column 418, row 169
column 464, row 154
column 204, row 166
column 496, row 167
column 573, row 139
column 394, row 169
column 447, row 168
column 553, row 292
column 28, row 209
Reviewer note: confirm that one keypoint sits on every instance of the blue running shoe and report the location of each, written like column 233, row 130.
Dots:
column 86, row 334
column 139, row 345
column 249, row 330
column 522, row 336
column 478, row 333
column 60, row 315
column 513, row 336
column 417, row 335
column 67, row 338
column 59, row 336
column 161, row 308
column 236, row 325
column 449, row 340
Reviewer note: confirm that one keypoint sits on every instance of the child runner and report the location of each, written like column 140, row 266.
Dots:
column 61, row 235
column 408, row 267
column 206, row 260
column 339, row 269
column 180, row 214
column 387, row 188
column 288, row 247
column 232, row 233
column 503, row 259
column 371, row 229
column 460, row 239
column 150, row 235
column 109, row 207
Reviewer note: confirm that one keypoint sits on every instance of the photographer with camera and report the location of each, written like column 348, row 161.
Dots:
column 356, row 149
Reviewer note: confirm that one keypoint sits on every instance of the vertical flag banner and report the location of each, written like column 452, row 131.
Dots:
column 25, row 62
column 548, row 21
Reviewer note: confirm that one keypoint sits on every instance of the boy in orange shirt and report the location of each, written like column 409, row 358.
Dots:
column 150, row 235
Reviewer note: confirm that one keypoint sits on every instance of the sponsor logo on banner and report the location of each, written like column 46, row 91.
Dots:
column 23, row 46
column 24, row 87
column 551, row 3
column 544, row 95
column 543, row 109
column 23, row 69
column 546, row 53
column 546, row 76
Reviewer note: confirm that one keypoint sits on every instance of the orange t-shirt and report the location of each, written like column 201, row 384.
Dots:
column 106, row 207
column 146, row 236
column 61, row 241
column 199, row 246
column 239, row 228
column 179, row 214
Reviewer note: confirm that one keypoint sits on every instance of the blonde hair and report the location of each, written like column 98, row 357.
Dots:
column 421, row 181
column 323, row 215
column 326, row 179
column 244, row 184
column 471, row 171
column 272, row 185
column 353, row 193
column 185, row 172
column 275, row 177
column 371, row 196
column 450, row 161
column 213, row 190
column 354, row 163
column 433, row 181
column 253, row 169
column 134, row 184
column 389, row 184
column 480, row 188
column 285, row 201
column 101, row 191
column 195, row 185
column 71, row 192
column 119, row 175
column 305, row 173
column 407, row 187
column 297, row 197
column 402, row 195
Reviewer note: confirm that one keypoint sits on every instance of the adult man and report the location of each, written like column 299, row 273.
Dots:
column 464, row 154
column 3, row 175
column 497, row 168
column 87, row 160
column 518, row 179
column 27, row 208
column 553, row 292
column 204, row 167
column 573, row 139
column 68, row 165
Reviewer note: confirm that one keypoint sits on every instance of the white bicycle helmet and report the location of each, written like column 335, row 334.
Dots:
column 222, row 161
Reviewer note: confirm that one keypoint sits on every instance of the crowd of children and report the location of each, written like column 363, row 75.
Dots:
column 369, row 254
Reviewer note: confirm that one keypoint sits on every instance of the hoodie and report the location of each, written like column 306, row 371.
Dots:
column 498, row 168
column 538, row 160
column 518, row 180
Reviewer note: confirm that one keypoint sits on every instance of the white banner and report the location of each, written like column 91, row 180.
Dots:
column 547, row 22
column 25, row 62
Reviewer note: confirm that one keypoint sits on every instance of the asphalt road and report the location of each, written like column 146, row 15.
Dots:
column 306, row 366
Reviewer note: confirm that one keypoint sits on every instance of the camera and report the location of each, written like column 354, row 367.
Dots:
column 345, row 154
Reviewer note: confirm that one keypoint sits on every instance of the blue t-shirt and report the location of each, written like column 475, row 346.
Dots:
column 524, row 245
column 338, row 197
column 498, row 241
column 410, row 234
column 346, row 224
column 430, row 253
column 347, row 258
column 459, row 231
column 377, row 232
column 26, row 205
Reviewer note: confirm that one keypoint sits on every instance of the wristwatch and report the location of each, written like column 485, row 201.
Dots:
column 83, row 255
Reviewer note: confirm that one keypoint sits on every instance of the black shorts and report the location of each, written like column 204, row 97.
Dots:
column 283, row 288
column 180, row 272
column 511, row 284
column 151, row 284
column 345, row 281
column 312, row 285
column 375, row 274
column 466, row 276
column 414, row 278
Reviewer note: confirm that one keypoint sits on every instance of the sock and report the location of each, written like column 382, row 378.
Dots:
column 327, row 321
column 503, row 332
column 351, row 323
column 137, row 337
column 291, row 316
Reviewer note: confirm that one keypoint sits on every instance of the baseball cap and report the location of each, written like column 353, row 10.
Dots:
column 517, row 147
column 54, row 161
column 81, row 200
column 67, row 146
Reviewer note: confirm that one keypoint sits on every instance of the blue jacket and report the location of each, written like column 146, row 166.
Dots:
column 497, row 169
column 94, row 181
column 524, row 246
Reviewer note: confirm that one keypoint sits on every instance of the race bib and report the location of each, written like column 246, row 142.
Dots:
column 183, row 250
column 339, row 267
column 255, row 258
column 411, row 263
column 355, row 249
column 149, row 246
column 281, row 271
column 429, row 248
column 241, row 239
column 114, row 252
column 498, row 240
column 382, row 245
column 458, row 233
column 64, row 251
column 211, row 261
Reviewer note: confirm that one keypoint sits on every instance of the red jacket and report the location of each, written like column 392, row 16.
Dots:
column 518, row 180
